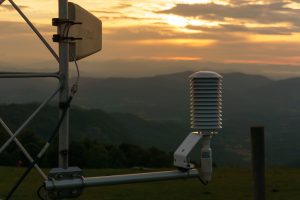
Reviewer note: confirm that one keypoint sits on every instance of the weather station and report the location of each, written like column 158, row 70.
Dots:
column 79, row 34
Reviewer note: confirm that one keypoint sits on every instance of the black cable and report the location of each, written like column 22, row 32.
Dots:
column 65, row 107
column 39, row 192
column 77, row 68
column 40, row 155
column 67, row 26
column 66, row 35
column 75, row 85
column 204, row 182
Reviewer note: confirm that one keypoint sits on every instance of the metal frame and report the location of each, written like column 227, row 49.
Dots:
column 28, row 75
column 63, row 159
column 69, row 182
column 62, row 75
column 25, row 152
column 65, row 181
column 58, row 75
column 57, row 184
column 21, row 128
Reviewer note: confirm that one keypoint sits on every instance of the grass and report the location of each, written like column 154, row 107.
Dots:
column 227, row 184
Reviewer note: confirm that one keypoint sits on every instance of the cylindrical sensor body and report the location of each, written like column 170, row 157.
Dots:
column 206, row 158
column 206, row 101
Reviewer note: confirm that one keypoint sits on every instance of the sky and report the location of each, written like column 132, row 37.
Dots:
column 143, row 37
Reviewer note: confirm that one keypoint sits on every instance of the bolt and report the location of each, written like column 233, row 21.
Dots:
column 59, row 176
column 74, row 192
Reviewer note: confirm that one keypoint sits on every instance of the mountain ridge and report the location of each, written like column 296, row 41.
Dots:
column 248, row 100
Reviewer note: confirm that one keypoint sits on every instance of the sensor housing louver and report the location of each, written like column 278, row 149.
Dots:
column 206, row 101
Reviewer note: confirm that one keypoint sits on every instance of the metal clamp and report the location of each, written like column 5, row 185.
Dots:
column 65, row 23
column 181, row 159
column 58, row 38
column 59, row 22
column 58, row 178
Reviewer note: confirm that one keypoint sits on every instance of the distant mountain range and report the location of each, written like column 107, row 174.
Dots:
column 159, row 108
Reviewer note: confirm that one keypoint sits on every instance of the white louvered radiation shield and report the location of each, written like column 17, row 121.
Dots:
column 206, row 101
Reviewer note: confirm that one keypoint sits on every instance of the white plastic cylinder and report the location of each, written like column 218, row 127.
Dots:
column 206, row 159
column 206, row 101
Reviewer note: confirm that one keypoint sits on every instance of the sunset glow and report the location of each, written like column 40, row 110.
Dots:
column 181, row 42
column 215, row 31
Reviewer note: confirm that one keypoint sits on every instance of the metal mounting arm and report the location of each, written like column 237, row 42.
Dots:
column 181, row 159
column 69, row 183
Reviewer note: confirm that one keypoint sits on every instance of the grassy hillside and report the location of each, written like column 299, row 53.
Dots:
column 227, row 184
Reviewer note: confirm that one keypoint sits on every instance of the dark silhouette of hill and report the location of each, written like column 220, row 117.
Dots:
column 158, row 97
column 248, row 100
column 96, row 125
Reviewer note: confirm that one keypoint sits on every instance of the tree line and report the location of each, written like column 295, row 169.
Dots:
column 85, row 153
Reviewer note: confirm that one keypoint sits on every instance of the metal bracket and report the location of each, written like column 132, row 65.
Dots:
column 58, row 22
column 61, row 177
column 181, row 159
column 58, row 38
column 65, row 22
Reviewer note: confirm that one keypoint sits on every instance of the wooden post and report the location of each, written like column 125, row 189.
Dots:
column 258, row 162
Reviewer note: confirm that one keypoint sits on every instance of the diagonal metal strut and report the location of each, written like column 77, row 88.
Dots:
column 22, row 148
column 5, row 145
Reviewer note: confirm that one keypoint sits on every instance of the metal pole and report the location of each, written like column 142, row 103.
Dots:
column 81, row 182
column 29, row 75
column 64, row 93
column 258, row 162
column 139, row 178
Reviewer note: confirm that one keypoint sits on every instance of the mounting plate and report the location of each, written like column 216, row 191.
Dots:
column 181, row 159
column 62, row 176
column 90, row 30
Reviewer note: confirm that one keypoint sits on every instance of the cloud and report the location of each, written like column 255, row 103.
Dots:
column 12, row 28
column 21, row 28
column 270, row 13
column 11, row 8
column 143, row 60
column 105, row 12
column 19, row 44
column 142, row 32
column 122, row 6
column 228, row 28
column 162, row 32
column 146, row 67
column 125, row 17
column 234, row 40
